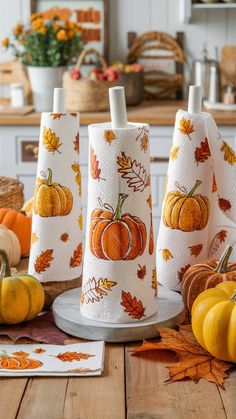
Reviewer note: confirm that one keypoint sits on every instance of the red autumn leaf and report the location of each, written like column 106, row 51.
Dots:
column 132, row 306
column 141, row 271
column 39, row 351
column 76, row 259
column 217, row 240
column 43, row 261
column 195, row 250
column 64, row 237
column 203, row 152
column 73, row 356
column 182, row 272
column 77, row 143
column 95, row 171
column 224, row 204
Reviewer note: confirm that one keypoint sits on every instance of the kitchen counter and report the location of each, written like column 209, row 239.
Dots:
column 154, row 113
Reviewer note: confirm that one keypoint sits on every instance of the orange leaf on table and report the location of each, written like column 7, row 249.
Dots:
column 76, row 259
column 202, row 153
column 132, row 305
column 193, row 361
column 195, row 250
column 43, row 261
column 73, row 356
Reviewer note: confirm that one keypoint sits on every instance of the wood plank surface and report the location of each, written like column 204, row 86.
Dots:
column 228, row 396
column 154, row 113
column 99, row 397
column 11, row 393
column 149, row 397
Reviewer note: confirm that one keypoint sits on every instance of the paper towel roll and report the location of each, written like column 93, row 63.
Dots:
column 56, row 249
column 119, row 275
column 199, row 209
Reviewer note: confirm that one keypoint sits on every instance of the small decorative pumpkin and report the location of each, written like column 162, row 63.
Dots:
column 18, row 362
column 10, row 243
column 28, row 207
column 186, row 211
column 207, row 275
column 117, row 236
column 20, row 224
column 214, row 320
column 51, row 199
column 23, row 296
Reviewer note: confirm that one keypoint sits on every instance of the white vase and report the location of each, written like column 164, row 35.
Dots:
column 43, row 80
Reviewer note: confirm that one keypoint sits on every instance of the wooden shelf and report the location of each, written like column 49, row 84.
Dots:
column 214, row 6
column 186, row 8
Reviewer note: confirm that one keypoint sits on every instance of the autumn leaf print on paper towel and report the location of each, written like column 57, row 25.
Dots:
column 77, row 143
column 39, row 351
column 229, row 153
column 34, row 238
column 43, row 261
column 76, row 259
column 95, row 170
column 64, row 237
column 166, row 254
column 132, row 306
column 78, row 179
column 154, row 281
column 80, row 221
column 151, row 235
column 186, row 127
column 51, row 141
column 182, row 272
column 135, row 174
column 216, row 242
column 214, row 185
column 224, row 204
column 143, row 138
column 141, row 271
column 95, row 289
column 109, row 136
column 202, row 153
column 73, row 356
column 195, row 250
column 19, row 361
column 174, row 152
column 57, row 115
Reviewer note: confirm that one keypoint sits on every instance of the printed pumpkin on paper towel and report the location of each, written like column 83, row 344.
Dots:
column 116, row 236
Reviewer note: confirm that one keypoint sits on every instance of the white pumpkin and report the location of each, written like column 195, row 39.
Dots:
column 10, row 243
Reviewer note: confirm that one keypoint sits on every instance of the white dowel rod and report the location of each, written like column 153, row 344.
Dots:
column 59, row 100
column 118, row 107
column 195, row 99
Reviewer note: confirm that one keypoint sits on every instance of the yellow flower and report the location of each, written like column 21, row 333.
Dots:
column 61, row 35
column 37, row 23
column 42, row 30
column 35, row 16
column 56, row 27
column 71, row 34
column 18, row 29
column 5, row 42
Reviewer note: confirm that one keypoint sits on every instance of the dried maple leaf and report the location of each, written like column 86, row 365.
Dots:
column 51, row 141
column 43, row 261
column 57, row 115
column 174, row 152
column 134, row 173
column 80, row 221
column 76, row 259
column 78, row 179
column 186, row 127
column 217, row 240
column 20, row 354
column 224, row 204
column 109, row 136
column 182, row 272
column 154, row 281
column 141, row 271
column 34, row 238
column 193, row 361
column 132, row 306
column 95, row 171
column 166, row 254
column 195, row 250
column 95, row 289
column 214, row 185
column 39, row 351
column 73, row 356
column 229, row 153
column 77, row 143
column 202, row 153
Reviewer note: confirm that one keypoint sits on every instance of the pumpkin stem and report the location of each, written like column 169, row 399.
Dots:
column 222, row 265
column 197, row 184
column 121, row 199
column 5, row 268
column 49, row 178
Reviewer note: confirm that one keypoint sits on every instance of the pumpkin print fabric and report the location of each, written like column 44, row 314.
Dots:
column 199, row 207
column 119, row 258
column 56, row 254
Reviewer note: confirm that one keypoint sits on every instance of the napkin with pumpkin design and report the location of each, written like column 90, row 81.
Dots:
column 56, row 245
column 199, row 206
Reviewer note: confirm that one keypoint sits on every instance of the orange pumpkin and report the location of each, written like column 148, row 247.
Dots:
column 186, row 212
column 20, row 224
column 207, row 275
column 117, row 236
column 18, row 362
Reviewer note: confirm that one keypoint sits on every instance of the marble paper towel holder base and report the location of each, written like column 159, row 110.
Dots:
column 67, row 316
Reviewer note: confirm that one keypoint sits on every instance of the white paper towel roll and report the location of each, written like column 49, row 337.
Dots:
column 119, row 275
column 56, row 249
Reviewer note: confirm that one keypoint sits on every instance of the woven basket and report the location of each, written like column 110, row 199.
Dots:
column 133, row 83
column 85, row 95
column 11, row 193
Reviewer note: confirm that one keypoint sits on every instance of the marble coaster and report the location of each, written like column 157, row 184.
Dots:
column 67, row 316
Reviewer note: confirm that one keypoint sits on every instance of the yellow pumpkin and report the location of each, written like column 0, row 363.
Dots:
column 21, row 296
column 10, row 243
column 214, row 320
column 51, row 199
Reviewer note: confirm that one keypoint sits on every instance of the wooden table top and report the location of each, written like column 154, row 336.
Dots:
column 154, row 113
column 130, row 387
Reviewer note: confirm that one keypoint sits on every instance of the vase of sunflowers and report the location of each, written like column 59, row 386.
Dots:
column 46, row 45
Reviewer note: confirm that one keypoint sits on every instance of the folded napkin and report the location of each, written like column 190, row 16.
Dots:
column 199, row 208
column 79, row 359
column 56, row 250
column 119, row 274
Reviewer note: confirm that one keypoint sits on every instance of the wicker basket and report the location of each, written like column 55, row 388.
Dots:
column 133, row 83
column 85, row 95
column 11, row 193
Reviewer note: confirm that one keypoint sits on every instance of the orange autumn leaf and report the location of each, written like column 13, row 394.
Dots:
column 202, row 153
column 154, row 281
column 95, row 171
column 182, row 272
column 78, row 179
column 74, row 114
column 217, row 240
column 144, row 142
column 39, row 351
column 43, row 261
column 57, row 115
column 214, row 185
column 149, row 201
column 224, row 204
column 135, row 174
column 51, row 141
column 132, row 306
column 141, row 271
column 76, row 259
column 77, row 143
column 174, row 152
column 193, row 361
column 186, row 127
column 20, row 353
column 73, row 356
column 109, row 136
column 64, row 237
column 195, row 250
column 34, row 238
column 229, row 153
column 80, row 221
column 166, row 254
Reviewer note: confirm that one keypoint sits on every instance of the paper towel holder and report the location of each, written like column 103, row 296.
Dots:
column 59, row 100
column 195, row 99
column 118, row 107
